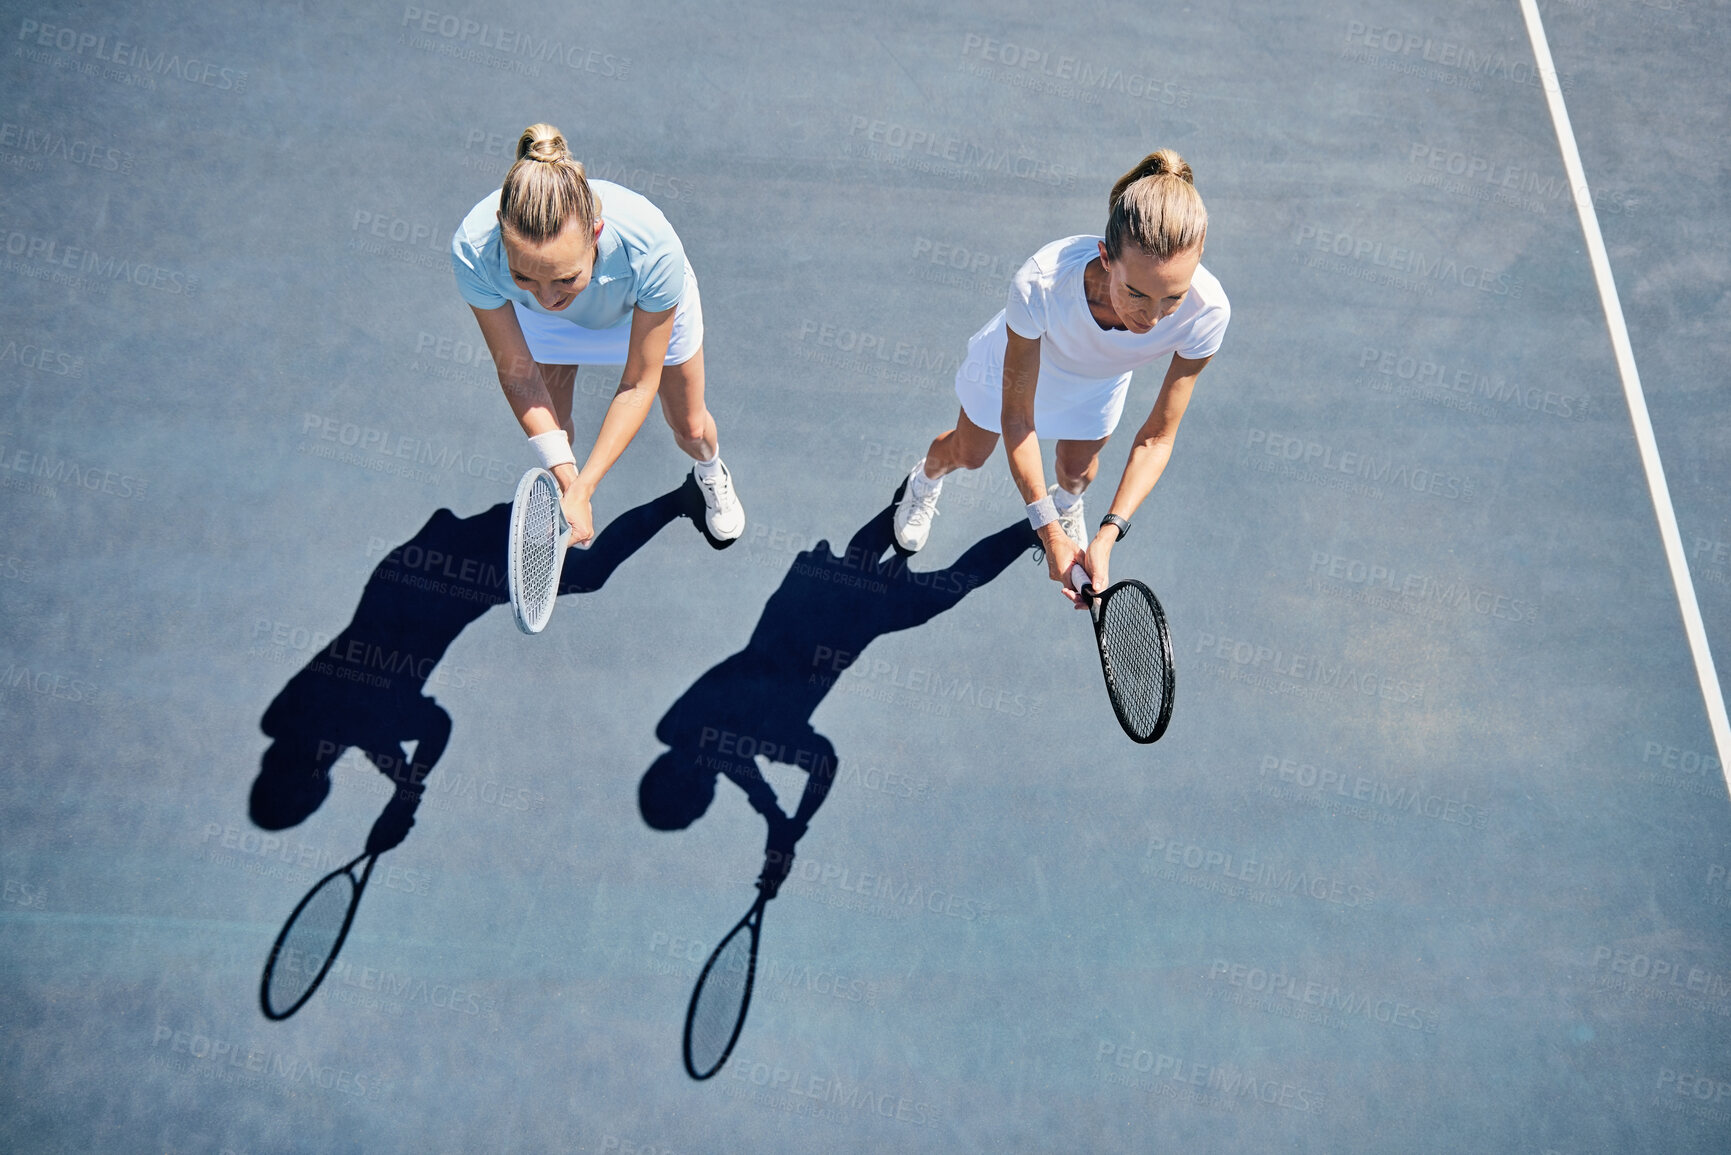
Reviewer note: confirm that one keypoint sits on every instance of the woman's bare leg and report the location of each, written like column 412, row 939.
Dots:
column 967, row 446
column 682, row 404
column 1077, row 462
column 694, row 431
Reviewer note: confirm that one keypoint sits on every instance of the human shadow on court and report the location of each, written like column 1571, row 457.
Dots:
column 759, row 701
column 367, row 688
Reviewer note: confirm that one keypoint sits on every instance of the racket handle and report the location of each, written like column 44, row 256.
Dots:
column 1079, row 579
column 565, row 526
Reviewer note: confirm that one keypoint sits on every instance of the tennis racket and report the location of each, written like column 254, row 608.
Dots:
column 309, row 943
column 717, row 1011
column 539, row 535
column 1135, row 654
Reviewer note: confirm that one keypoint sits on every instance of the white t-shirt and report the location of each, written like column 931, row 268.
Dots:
column 1049, row 303
column 1084, row 370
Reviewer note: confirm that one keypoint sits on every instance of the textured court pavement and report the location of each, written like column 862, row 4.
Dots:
column 1434, row 857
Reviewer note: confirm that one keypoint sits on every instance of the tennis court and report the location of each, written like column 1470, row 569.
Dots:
column 1435, row 855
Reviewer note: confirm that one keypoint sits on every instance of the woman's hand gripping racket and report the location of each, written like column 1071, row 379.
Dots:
column 1135, row 654
column 539, row 535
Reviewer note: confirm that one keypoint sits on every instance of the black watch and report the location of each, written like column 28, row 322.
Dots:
column 1118, row 523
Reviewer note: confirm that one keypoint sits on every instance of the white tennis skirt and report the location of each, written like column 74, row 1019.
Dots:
column 1066, row 407
column 556, row 341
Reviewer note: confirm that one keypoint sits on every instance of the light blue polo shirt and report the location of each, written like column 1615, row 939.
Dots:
column 639, row 262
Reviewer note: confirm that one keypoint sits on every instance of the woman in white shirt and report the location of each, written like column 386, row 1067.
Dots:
column 561, row 270
column 1083, row 313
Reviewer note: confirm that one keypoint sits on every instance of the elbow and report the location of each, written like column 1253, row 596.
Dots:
column 1160, row 443
column 1016, row 423
column 636, row 394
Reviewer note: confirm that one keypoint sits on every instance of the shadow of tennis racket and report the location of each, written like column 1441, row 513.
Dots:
column 315, row 932
column 309, row 942
column 716, row 1015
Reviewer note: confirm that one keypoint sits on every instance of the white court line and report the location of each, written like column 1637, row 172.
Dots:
column 1668, row 531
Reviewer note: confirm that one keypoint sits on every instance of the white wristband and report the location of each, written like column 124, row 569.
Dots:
column 1042, row 512
column 554, row 449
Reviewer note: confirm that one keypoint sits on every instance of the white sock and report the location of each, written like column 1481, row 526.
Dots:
column 709, row 468
column 923, row 485
column 1064, row 499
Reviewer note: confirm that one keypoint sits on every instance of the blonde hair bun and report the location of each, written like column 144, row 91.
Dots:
column 546, row 188
column 1155, row 206
column 542, row 142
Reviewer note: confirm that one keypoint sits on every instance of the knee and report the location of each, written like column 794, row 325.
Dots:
column 974, row 456
column 1075, row 469
column 688, row 432
column 688, row 427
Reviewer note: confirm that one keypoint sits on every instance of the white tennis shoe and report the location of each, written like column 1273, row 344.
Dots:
column 914, row 512
column 722, row 513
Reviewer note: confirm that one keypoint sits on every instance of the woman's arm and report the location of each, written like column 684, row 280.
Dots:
column 527, row 394
column 1148, row 458
column 529, row 399
column 650, row 335
column 1022, row 447
column 520, row 377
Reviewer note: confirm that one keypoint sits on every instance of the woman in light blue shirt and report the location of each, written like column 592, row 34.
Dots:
column 563, row 271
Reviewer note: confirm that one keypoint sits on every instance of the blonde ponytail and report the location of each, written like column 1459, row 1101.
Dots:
column 1155, row 206
column 545, row 189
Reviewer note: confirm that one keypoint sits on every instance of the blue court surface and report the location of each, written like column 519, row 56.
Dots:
column 1436, row 855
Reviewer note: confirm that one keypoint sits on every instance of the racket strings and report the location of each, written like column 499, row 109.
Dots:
column 1137, row 670
column 307, row 945
column 719, row 1004
column 538, row 553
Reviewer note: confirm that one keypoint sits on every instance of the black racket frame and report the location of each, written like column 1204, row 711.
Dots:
column 1169, row 680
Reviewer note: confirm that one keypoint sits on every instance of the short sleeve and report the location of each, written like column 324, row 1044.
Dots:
column 472, row 283
column 1026, row 311
column 1207, row 333
column 661, row 277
